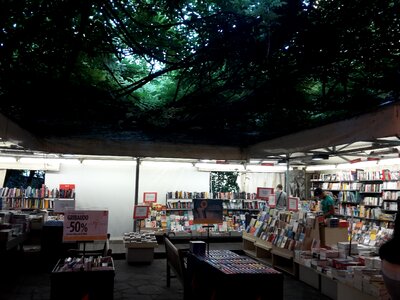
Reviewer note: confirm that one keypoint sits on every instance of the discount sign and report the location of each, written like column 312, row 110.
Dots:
column 85, row 225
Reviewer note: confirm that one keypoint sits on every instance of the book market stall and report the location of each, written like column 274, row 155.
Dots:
column 335, row 256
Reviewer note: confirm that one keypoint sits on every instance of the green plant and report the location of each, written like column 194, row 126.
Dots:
column 224, row 182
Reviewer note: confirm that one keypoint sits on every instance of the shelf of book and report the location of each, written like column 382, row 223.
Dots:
column 34, row 198
column 179, row 211
column 89, row 281
column 363, row 218
column 12, row 203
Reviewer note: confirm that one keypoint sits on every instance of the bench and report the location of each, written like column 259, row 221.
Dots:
column 175, row 261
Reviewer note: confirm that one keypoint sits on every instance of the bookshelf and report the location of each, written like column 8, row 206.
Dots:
column 343, row 187
column 179, row 206
column 390, row 195
column 37, row 198
column 27, row 199
column 275, row 235
column 368, row 195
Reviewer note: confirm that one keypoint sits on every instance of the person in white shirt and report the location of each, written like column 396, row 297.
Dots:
column 281, row 197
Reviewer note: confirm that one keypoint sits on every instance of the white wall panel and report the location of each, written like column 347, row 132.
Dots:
column 112, row 186
column 170, row 177
column 101, row 187
column 251, row 181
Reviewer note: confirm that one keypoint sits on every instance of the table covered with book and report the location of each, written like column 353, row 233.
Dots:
column 223, row 274
column 77, row 278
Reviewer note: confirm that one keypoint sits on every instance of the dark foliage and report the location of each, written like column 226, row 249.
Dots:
column 216, row 72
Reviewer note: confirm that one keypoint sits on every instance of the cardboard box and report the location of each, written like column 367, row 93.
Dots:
column 332, row 235
column 198, row 247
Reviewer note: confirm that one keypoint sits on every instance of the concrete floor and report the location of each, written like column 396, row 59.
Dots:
column 25, row 276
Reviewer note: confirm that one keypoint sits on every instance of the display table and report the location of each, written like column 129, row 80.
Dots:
column 223, row 274
column 346, row 292
column 140, row 252
column 97, row 283
column 337, row 288
column 140, row 246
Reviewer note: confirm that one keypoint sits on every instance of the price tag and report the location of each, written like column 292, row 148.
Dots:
column 85, row 225
column 271, row 200
column 293, row 203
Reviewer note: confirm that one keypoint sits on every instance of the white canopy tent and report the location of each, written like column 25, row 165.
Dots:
column 374, row 135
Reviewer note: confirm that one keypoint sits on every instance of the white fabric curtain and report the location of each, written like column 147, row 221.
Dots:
column 2, row 177
column 249, row 182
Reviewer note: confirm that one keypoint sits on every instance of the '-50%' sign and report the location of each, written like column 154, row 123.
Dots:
column 85, row 225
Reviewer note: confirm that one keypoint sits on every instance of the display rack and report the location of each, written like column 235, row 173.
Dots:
column 83, row 279
column 274, row 236
column 367, row 195
column 29, row 198
column 280, row 259
column 140, row 246
column 179, row 214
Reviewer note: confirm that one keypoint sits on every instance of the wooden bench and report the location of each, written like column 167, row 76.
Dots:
column 175, row 261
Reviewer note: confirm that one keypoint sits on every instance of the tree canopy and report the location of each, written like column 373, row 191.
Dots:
column 218, row 72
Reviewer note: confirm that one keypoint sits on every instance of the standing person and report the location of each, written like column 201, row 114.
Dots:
column 389, row 253
column 327, row 202
column 281, row 197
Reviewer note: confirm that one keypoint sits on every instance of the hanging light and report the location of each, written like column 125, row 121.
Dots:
column 320, row 156
column 282, row 162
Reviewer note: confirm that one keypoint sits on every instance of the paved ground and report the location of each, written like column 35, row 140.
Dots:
column 25, row 276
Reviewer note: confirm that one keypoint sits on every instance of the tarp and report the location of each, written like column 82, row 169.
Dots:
column 384, row 122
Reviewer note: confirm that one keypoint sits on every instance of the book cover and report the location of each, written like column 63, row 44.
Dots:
column 283, row 242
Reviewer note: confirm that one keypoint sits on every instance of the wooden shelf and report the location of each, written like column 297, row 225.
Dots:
column 279, row 258
column 248, row 237
column 263, row 244
column 251, row 253
column 282, row 259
